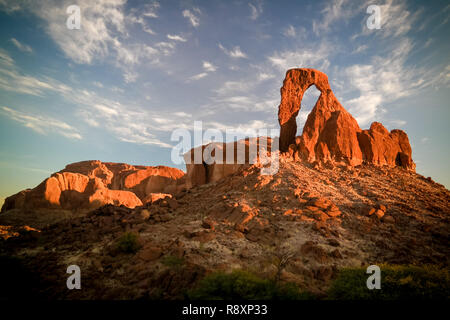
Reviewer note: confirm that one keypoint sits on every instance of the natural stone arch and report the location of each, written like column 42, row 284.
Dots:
column 295, row 84
column 330, row 132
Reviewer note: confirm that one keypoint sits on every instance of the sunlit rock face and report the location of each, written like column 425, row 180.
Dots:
column 90, row 184
column 330, row 132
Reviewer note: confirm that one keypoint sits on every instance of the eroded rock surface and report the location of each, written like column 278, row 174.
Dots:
column 330, row 132
column 214, row 163
column 90, row 184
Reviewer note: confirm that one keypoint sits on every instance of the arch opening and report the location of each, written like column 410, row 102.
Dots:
column 309, row 100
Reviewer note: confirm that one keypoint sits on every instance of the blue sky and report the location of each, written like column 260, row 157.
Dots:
column 137, row 70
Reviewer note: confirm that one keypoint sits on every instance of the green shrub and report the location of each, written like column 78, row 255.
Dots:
column 397, row 282
column 128, row 243
column 243, row 285
column 172, row 262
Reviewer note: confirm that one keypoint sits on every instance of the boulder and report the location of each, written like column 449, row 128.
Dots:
column 105, row 196
column 152, row 197
column 381, row 147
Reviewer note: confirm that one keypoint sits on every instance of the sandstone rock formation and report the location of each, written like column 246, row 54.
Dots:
column 241, row 153
column 384, row 148
column 90, row 184
column 330, row 132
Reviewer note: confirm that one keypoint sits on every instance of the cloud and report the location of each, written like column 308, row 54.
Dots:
column 290, row 31
column 42, row 124
column 301, row 58
column 334, row 11
column 199, row 76
column 127, row 123
column 264, row 76
column 193, row 19
column 21, row 46
column 234, row 53
column 425, row 140
column 12, row 80
column 98, row 84
column 247, row 129
column 255, row 10
column 176, row 38
column 209, row 67
column 150, row 9
column 231, row 87
column 104, row 35
column 396, row 19
column 384, row 80
column 360, row 48
column 140, row 15
column 6, row 60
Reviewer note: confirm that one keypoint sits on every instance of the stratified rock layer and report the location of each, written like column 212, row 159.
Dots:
column 330, row 132
column 90, row 184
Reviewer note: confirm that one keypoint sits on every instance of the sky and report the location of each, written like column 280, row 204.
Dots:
column 135, row 71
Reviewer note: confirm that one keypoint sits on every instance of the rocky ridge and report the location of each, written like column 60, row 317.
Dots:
column 91, row 184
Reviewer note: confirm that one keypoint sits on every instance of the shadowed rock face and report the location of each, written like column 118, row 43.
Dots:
column 242, row 153
column 330, row 132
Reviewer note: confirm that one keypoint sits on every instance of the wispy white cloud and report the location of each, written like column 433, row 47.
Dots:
column 335, row 11
column 127, row 123
column 98, row 84
column 104, row 35
column 233, row 87
column 255, row 10
column 21, row 46
column 139, row 16
column 233, row 53
column 317, row 57
column 396, row 19
column 209, row 67
column 199, row 76
column 150, row 10
column 290, row 31
column 264, row 76
column 176, row 37
column 360, row 48
column 384, row 80
column 41, row 124
column 192, row 17
column 12, row 80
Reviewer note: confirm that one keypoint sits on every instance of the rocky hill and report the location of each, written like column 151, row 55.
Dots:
column 341, row 197
column 325, row 217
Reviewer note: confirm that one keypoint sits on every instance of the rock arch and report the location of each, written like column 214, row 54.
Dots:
column 295, row 84
column 330, row 132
